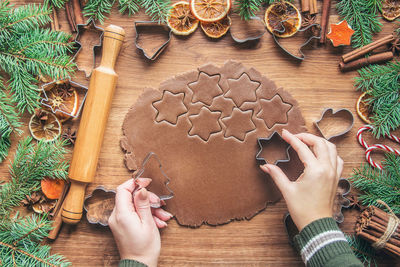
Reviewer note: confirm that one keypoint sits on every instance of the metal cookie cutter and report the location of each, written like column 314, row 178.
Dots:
column 340, row 112
column 90, row 25
column 79, row 87
column 302, row 57
column 98, row 205
column 142, row 170
column 139, row 25
column 241, row 40
column 263, row 141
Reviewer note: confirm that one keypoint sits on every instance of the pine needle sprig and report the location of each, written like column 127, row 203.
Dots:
column 97, row 9
column 379, row 184
column 363, row 250
column 32, row 163
column 382, row 83
column 247, row 8
column 158, row 10
column 56, row 3
column 363, row 17
column 19, row 242
column 132, row 6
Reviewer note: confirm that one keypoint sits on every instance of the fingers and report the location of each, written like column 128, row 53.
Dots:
column 142, row 206
column 278, row 176
column 143, row 182
column 339, row 167
column 159, row 223
column 305, row 154
column 318, row 145
column 123, row 197
column 162, row 214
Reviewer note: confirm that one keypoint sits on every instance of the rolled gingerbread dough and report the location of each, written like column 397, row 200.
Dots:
column 204, row 126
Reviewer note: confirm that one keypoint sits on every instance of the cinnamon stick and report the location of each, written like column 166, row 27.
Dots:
column 70, row 16
column 362, row 62
column 305, row 6
column 313, row 7
column 77, row 12
column 392, row 248
column 55, row 20
column 359, row 52
column 57, row 220
column 326, row 6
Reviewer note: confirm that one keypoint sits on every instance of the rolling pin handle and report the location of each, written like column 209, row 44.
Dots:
column 73, row 203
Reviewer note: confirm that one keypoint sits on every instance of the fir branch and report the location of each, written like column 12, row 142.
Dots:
column 363, row 18
column 132, row 6
column 19, row 242
column 363, row 250
column 56, row 3
column 32, row 162
column 158, row 10
column 379, row 184
column 96, row 9
column 382, row 82
column 247, row 8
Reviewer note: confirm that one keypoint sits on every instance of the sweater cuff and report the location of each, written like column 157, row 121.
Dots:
column 131, row 263
column 321, row 241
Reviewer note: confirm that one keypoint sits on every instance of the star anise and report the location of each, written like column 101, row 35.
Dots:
column 35, row 197
column 70, row 135
column 395, row 46
column 354, row 201
column 185, row 19
column 308, row 20
column 65, row 90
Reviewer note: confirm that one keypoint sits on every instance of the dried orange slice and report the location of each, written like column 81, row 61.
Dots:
column 210, row 10
column 45, row 126
column 390, row 9
column 282, row 19
column 52, row 188
column 216, row 29
column 181, row 20
column 62, row 99
column 364, row 110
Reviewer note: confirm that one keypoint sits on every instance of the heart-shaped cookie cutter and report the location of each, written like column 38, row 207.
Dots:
column 140, row 24
column 261, row 143
column 346, row 130
column 140, row 172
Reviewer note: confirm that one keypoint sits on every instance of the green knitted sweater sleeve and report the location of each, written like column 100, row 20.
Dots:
column 131, row 263
column 322, row 243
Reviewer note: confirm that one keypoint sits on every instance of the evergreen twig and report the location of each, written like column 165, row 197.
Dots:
column 379, row 184
column 362, row 15
column 363, row 250
column 247, row 8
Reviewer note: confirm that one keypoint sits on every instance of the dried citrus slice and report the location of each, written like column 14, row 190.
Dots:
column 363, row 108
column 282, row 19
column 52, row 188
column 390, row 9
column 216, row 29
column 62, row 99
column 45, row 126
column 181, row 20
column 210, row 10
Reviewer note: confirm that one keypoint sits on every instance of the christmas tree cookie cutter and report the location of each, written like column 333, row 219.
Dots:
column 140, row 26
column 81, row 28
column 282, row 29
column 263, row 142
column 81, row 91
column 98, row 205
column 328, row 114
column 140, row 172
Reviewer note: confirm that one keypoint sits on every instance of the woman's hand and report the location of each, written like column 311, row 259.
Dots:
column 311, row 196
column 134, row 224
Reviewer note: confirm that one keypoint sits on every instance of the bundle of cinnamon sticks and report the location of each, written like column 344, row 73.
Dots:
column 353, row 60
column 309, row 6
column 380, row 228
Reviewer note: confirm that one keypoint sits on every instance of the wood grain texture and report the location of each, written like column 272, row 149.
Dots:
column 316, row 83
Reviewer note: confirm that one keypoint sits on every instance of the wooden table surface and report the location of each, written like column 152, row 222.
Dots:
column 316, row 83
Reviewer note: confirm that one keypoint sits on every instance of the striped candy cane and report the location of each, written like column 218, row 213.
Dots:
column 369, row 149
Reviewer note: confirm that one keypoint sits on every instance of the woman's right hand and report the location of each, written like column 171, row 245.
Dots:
column 310, row 197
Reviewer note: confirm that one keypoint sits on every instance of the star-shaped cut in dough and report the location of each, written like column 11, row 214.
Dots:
column 242, row 90
column 239, row 124
column 205, row 123
column 170, row 107
column 205, row 88
column 225, row 105
column 274, row 111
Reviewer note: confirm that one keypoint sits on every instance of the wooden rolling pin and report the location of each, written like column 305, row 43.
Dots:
column 92, row 125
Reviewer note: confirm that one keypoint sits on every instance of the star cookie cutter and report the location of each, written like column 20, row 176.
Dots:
column 98, row 205
column 143, row 24
column 79, row 87
column 249, row 38
column 140, row 172
column 340, row 202
column 302, row 55
column 263, row 141
column 344, row 113
column 81, row 28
